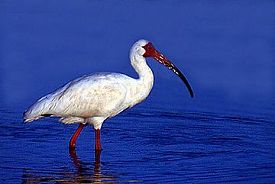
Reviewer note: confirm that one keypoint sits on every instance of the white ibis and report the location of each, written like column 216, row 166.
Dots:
column 91, row 99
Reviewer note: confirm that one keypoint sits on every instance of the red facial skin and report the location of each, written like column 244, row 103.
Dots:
column 150, row 51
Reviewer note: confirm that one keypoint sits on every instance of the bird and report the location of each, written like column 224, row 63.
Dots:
column 91, row 99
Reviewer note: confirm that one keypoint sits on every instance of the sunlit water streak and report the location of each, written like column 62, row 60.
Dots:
column 141, row 145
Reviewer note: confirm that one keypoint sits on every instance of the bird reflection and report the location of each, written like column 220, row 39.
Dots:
column 97, row 176
column 83, row 173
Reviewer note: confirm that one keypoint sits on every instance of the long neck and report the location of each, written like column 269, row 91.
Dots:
column 144, row 71
column 146, row 77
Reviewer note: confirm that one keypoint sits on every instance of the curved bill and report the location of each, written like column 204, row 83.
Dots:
column 151, row 51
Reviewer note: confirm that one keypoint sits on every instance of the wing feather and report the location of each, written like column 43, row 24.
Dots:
column 99, row 95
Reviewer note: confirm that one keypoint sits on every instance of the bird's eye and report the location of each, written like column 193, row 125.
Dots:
column 140, row 51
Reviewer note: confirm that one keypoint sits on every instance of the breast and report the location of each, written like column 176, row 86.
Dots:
column 138, row 90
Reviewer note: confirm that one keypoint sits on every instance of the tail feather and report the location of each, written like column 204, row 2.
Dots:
column 28, row 120
column 38, row 110
column 32, row 114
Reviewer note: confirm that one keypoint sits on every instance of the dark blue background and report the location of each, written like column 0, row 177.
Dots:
column 225, row 48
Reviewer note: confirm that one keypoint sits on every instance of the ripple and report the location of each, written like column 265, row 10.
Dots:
column 141, row 145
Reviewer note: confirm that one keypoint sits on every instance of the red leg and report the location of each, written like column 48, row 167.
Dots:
column 97, row 140
column 75, row 136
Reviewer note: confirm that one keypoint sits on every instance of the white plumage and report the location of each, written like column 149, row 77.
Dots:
column 92, row 99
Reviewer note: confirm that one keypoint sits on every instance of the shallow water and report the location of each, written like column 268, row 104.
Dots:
column 140, row 146
column 224, row 134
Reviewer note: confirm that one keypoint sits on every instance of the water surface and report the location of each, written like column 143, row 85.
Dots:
column 141, row 145
column 225, row 49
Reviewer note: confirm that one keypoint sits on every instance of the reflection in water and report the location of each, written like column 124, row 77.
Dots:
column 196, row 147
column 83, row 173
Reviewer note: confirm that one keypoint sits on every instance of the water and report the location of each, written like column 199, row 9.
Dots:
column 224, row 134
column 141, row 145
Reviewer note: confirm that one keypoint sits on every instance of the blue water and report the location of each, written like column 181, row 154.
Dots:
column 142, row 145
column 226, row 50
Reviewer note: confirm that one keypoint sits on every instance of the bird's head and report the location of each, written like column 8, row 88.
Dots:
column 145, row 49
